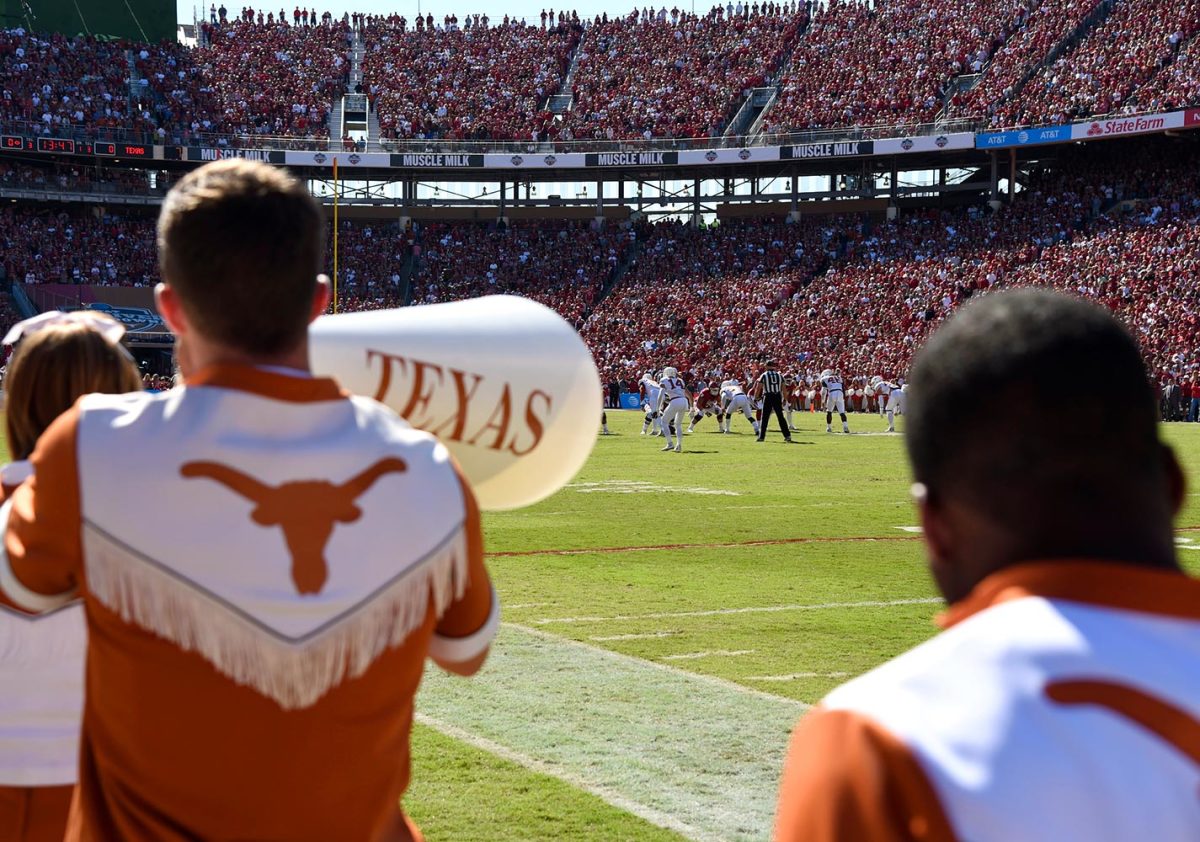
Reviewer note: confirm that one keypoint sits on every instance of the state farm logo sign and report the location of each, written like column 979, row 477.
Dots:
column 1133, row 125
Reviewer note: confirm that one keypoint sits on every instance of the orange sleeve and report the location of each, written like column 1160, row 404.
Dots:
column 846, row 778
column 472, row 612
column 42, row 564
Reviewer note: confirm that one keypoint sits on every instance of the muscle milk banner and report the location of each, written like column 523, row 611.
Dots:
column 205, row 154
column 504, row 382
column 837, row 149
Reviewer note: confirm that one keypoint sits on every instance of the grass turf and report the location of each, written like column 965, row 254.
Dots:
column 778, row 568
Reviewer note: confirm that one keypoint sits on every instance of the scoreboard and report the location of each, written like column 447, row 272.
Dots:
column 66, row 146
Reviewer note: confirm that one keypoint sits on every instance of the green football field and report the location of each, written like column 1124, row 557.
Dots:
column 667, row 618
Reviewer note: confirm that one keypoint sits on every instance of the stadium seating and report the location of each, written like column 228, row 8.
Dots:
column 561, row 264
column 886, row 63
column 250, row 79
column 1102, row 71
column 61, row 85
column 693, row 294
column 1174, row 86
column 650, row 78
column 1047, row 24
column 481, row 82
column 41, row 246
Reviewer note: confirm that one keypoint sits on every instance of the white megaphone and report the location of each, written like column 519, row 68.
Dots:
column 505, row 383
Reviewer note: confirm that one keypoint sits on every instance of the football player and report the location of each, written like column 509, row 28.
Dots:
column 894, row 395
column 708, row 402
column 650, row 391
column 835, row 399
column 675, row 399
column 733, row 399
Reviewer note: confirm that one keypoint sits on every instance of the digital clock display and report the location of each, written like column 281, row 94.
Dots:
column 109, row 149
column 54, row 144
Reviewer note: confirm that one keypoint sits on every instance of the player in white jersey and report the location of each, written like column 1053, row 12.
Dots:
column 650, row 391
column 835, row 399
column 734, row 399
column 1063, row 700
column 891, row 399
column 675, row 400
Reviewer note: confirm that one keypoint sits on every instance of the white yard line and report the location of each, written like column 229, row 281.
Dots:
column 521, row 605
column 716, row 653
column 753, row 609
column 915, row 529
column 607, row 638
column 696, row 754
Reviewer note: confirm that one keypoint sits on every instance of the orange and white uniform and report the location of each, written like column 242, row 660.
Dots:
column 1062, row 702
column 265, row 564
column 41, row 706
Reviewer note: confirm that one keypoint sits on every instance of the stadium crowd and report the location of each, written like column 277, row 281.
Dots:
column 886, row 63
column 248, row 79
column 474, row 82
column 653, row 73
column 677, row 75
column 1103, row 71
column 564, row 265
column 61, row 84
column 1044, row 26
column 693, row 292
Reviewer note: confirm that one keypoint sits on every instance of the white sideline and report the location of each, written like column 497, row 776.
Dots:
column 692, row 753
column 752, row 609
column 617, row 800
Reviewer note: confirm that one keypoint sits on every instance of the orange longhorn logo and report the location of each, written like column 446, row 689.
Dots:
column 306, row 510
column 1169, row 723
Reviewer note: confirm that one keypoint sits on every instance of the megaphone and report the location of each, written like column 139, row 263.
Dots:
column 504, row 382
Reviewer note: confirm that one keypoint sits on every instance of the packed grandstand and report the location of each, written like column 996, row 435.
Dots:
column 856, row 292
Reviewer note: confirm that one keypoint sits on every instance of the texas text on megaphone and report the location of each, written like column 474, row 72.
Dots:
column 504, row 382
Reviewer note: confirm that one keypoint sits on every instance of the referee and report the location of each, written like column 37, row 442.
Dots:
column 770, row 388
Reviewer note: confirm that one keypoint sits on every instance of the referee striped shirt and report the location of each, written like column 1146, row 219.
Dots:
column 772, row 382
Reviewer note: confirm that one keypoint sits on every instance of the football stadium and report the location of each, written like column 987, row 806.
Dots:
column 816, row 383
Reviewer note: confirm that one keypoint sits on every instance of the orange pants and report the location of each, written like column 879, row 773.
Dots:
column 34, row 813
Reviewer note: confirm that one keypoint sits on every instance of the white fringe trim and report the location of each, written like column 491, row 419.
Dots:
column 294, row 675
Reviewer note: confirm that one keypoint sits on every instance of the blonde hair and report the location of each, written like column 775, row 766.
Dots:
column 51, row 369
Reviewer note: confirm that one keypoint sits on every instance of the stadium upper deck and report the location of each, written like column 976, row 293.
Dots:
column 868, row 69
